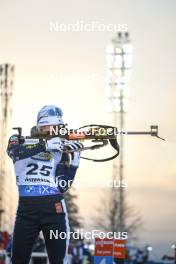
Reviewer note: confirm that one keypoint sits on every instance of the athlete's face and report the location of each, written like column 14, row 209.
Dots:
column 45, row 129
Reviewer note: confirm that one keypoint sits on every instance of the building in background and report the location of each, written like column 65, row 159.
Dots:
column 7, row 180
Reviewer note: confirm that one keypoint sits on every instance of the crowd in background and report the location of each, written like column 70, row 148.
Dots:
column 78, row 252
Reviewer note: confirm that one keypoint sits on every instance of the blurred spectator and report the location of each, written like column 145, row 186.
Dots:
column 81, row 254
column 9, row 247
column 4, row 239
column 145, row 255
column 139, row 257
column 87, row 256
column 78, row 253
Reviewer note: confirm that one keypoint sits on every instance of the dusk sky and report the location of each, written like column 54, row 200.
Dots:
column 68, row 69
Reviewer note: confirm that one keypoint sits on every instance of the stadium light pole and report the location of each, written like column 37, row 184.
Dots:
column 119, row 61
column 6, row 92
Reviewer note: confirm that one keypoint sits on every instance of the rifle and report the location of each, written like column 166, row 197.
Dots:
column 101, row 135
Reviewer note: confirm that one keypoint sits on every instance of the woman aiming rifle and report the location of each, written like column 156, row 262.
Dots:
column 39, row 169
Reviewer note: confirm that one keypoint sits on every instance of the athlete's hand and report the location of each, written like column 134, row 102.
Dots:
column 76, row 154
column 54, row 144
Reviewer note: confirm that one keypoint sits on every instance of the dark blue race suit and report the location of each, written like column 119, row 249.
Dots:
column 41, row 204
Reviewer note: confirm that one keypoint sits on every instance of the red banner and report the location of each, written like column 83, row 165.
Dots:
column 110, row 247
column 119, row 249
column 103, row 247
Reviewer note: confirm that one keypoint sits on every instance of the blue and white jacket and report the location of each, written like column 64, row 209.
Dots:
column 39, row 172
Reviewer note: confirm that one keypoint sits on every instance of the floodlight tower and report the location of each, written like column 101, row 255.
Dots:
column 119, row 61
column 6, row 88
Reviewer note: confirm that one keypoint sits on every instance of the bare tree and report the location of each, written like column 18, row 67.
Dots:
column 107, row 217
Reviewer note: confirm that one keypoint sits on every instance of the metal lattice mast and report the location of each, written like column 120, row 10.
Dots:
column 119, row 60
column 6, row 89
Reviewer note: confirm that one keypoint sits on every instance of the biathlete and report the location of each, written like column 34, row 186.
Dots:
column 39, row 169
